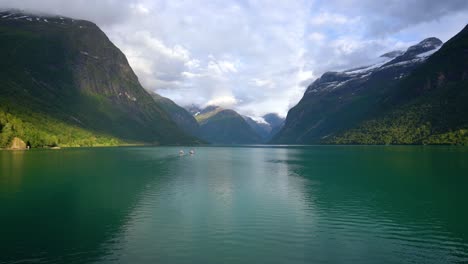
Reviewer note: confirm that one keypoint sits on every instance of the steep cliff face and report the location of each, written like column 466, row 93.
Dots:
column 68, row 71
column 261, row 127
column 340, row 100
column 178, row 114
column 267, row 126
column 430, row 106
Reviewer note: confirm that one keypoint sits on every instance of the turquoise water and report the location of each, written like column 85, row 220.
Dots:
column 322, row 204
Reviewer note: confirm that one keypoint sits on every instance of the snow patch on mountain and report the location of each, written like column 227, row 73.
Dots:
column 259, row 120
column 415, row 54
column 18, row 15
column 428, row 53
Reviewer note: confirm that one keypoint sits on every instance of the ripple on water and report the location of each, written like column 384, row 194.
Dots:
column 240, row 205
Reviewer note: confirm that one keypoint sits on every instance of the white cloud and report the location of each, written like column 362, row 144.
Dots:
column 221, row 67
column 140, row 8
column 191, row 75
column 260, row 120
column 268, row 83
column 256, row 56
column 317, row 37
column 192, row 64
column 330, row 18
column 154, row 44
column 223, row 101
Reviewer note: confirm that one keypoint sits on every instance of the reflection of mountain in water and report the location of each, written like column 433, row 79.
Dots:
column 70, row 202
column 218, row 206
column 397, row 203
column 318, row 204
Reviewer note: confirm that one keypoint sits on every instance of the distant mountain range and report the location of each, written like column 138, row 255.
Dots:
column 62, row 82
column 266, row 126
column 226, row 126
column 414, row 97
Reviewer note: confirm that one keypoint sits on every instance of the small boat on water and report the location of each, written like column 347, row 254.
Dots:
column 181, row 153
column 192, row 152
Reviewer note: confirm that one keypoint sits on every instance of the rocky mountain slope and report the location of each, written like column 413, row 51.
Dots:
column 178, row 114
column 224, row 126
column 338, row 101
column 62, row 81
column 260, row 126
column 267, row 126
column 430, row 106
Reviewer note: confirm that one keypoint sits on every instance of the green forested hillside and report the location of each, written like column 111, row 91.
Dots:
column 412, row 99
column 67, row 74
column 428, row 107
column 178, row 114
column 340, row 100
column 43, row 131
column 227, row 127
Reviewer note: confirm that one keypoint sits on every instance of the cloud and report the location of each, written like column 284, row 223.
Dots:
column 223, row 101
column 317, row 37
column 102, row 12
column 221, row 67
column 330, row 18
column 389, row 16
column 263, row 83
column 256, row 56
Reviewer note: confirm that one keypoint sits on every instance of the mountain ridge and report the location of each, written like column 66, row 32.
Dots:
column 68, row 72
column 418, row 97
column 264, row 127
column 429, row 107
column 338, row 100
column 225, row 126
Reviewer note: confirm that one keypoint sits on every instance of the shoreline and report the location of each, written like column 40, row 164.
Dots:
column 240, row 146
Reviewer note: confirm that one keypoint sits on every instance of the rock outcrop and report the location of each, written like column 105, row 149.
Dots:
column 18, row 144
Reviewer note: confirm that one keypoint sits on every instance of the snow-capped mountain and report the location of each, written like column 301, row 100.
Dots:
column 397, row 63
column 18, row 15
column 228, row 125
column 266, row 126
column 338, row 100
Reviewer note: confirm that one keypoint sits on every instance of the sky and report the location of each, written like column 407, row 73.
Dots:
column 254, row 56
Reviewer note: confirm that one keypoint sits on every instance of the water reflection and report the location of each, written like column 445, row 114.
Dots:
column 233, row 205
column 11, row 168
column 223, row 200
column 401, row 203
column 70, row 202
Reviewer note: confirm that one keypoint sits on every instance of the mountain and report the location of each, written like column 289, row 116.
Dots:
column 224, row 126
column 267, row 126
column 207, row 112
column 422, row 49
column 274, row 120
column 62, row 81
column 260, row 126
column 338, row 101
column 430, row 106
column 392, row 54
column 193, row 109
column 276, row 123
column 178, row 114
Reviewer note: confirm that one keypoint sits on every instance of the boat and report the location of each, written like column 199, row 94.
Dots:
column 181, row 153
column 192, row 152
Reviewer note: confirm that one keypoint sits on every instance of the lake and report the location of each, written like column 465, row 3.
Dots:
column 315, row 204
